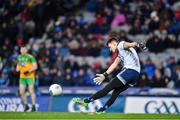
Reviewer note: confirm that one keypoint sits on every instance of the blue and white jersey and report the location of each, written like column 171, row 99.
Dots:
column 128, row 57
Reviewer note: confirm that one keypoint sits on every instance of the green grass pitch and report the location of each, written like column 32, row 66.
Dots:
column 83, row 116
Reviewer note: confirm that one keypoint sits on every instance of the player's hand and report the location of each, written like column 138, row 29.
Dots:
column 100, row 78
column 26, row 72
column 142, row 46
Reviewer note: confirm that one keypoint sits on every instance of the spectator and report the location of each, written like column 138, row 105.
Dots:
column 149, row 68
column 144, row 81
column 158, row 80
column 119, row 19
column 82, row 33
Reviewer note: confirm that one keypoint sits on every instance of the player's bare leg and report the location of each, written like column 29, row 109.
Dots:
column 22, row 89
column 33, row 97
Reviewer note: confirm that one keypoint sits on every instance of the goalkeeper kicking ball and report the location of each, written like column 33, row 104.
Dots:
column 55, row 89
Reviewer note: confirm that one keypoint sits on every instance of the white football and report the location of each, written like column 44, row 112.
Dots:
column 55, row 89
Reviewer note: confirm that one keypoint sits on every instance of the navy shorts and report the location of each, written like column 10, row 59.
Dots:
column 128, row 77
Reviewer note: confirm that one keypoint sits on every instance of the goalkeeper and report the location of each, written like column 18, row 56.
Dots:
column 127, row 77
column 26, row 65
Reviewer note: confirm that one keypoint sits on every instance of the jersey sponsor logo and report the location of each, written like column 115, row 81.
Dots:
column 161, row 107
column 22, row 63
column 92, row 107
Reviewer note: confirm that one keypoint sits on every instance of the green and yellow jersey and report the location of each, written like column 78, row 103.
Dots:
column 25, row 63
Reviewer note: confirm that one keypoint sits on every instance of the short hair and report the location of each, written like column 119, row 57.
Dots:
column 23, row 46
column 112, row 39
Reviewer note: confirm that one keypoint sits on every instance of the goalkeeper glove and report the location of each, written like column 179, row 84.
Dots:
column 142, row 46
column 100, row 78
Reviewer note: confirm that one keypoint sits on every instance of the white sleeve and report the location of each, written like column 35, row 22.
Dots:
column 120, row 45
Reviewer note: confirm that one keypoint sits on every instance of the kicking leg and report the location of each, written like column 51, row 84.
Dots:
column 114, row 83
column 97, row 95
column 113, row 97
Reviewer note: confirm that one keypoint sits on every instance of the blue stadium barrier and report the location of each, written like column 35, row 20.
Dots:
column 125, row 103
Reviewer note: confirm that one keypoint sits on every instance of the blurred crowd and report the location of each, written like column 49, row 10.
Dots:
column 58, row 32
